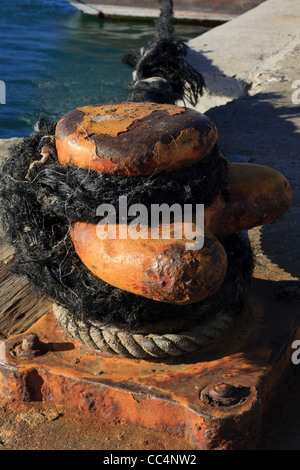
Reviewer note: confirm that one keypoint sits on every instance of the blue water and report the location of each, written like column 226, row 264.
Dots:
column 54, row 58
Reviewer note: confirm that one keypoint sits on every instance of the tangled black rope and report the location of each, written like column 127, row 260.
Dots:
column 37, row 213
column 161, row 73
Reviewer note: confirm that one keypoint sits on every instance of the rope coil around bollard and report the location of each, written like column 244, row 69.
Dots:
column 142, row 346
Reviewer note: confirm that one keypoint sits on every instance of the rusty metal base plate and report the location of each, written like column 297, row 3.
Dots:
column 214, row 398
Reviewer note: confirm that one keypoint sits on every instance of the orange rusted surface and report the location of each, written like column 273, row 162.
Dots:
column 112, row 119
column 181, row 152
column 132, row 139
column 170, row 396
column 161, row 269
column 257, row 195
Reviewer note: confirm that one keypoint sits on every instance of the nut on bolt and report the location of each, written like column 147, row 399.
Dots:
column 222, row 395
column 30, row 346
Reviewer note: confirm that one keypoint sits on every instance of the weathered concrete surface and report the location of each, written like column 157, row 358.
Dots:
column 261, row 50
column 265, row 127
column 252, row 63
column 238, row 55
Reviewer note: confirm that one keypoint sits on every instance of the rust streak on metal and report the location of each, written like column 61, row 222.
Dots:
column 115, row 119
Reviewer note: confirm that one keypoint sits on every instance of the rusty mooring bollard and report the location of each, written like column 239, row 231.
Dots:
column 130, row 302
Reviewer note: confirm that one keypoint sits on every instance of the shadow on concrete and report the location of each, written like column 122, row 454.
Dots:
column 264, row 128
column 217, row 83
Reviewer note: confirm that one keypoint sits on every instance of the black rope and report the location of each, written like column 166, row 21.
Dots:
column 161, row 73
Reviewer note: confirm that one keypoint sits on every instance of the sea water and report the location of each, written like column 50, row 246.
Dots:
column 54, row 58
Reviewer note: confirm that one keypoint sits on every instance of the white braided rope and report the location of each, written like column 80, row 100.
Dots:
column 142, row 346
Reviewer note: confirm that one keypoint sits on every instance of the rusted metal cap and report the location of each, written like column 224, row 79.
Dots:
column 223, row 395
column 134, row 139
